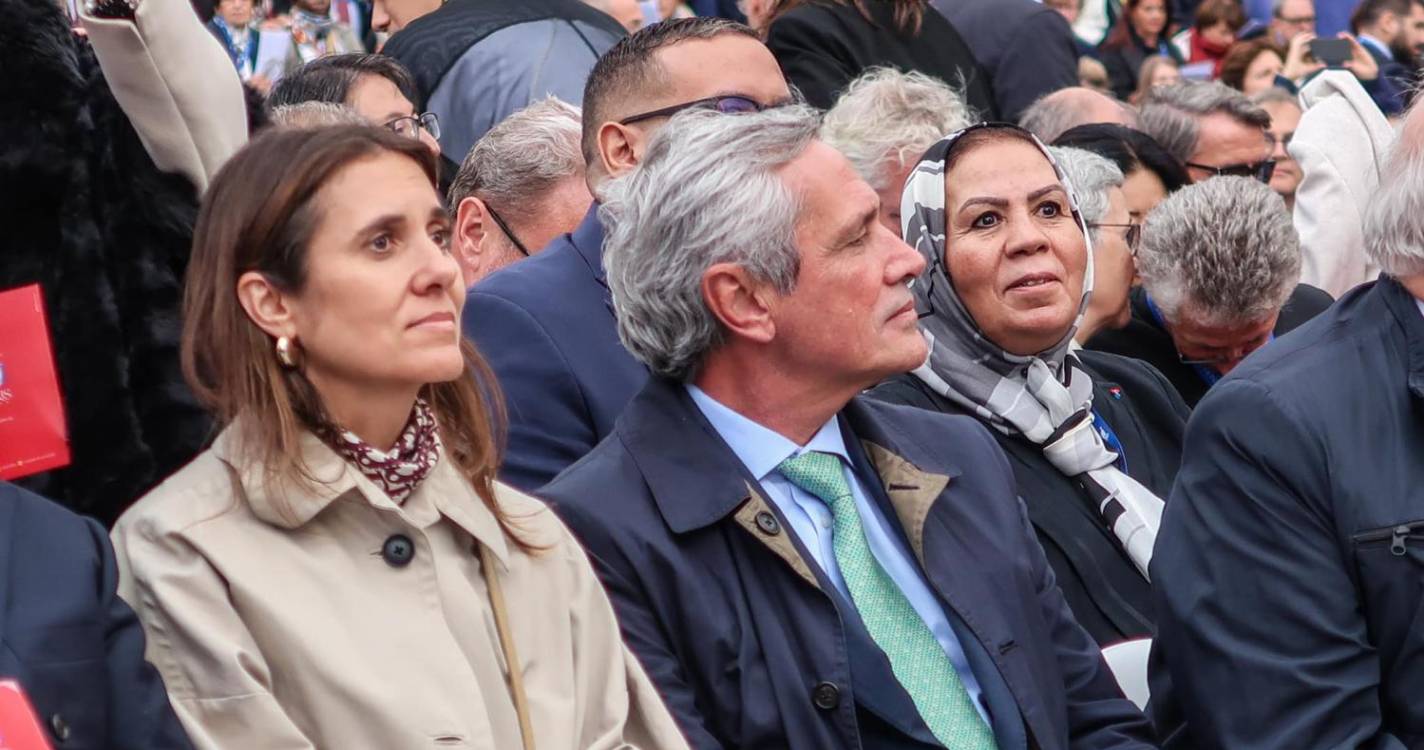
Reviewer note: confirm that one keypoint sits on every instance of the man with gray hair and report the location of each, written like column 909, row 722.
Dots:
column 780, row 550
column 1212, row 128
column 520, row 187
column 1065, row 109
column 1220, row 266
column 546, row 325
column 883, row 123
column 1287, row 573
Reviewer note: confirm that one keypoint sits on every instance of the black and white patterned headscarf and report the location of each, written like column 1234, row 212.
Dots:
column 1046, row 397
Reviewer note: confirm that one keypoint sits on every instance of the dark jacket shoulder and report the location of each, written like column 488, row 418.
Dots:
column 75, row 647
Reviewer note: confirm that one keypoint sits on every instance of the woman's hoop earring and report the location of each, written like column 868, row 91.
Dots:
column 285, row 355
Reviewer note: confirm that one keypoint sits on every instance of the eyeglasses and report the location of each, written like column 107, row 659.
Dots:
column 503, row 227
column 732, row 104
column 1261, row 170
column 410, row 126
column 1133, row 235
column 1298, row 20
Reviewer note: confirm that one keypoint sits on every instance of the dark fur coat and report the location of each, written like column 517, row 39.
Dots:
column 87, row 215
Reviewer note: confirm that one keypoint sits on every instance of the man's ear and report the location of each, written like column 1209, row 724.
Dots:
column 265, row 306
column 471, row 227
column 742, row 304
column 620, row 147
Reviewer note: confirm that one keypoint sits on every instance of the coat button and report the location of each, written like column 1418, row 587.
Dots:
column 60, row 727
column 826, row 696
column 768, row 523
column 398, row 551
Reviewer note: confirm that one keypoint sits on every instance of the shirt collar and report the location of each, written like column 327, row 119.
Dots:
column 1378, row 45
column 1420, row 303
column 759, row 448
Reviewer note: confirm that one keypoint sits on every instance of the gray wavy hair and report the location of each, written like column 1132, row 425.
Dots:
column 1223, row 251
column 706, row 192
column 1170, row 113
column 1394, row 220
column 519, row 160
column 887, row 113
column 315, row 114
column 1090, row 177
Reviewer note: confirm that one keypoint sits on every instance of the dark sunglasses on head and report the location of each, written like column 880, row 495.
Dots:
column 1133, row 235
column 732, row 104
column 1261, row 170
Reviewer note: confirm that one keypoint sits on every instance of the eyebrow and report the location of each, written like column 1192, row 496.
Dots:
column 1001, row 202
column 385, row 221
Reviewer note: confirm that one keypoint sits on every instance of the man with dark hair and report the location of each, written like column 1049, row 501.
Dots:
column 546, row 324
column 1392, row 31
column 376, row 87
column 477, row 62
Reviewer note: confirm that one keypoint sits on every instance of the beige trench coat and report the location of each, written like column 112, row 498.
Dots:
column 286, row 625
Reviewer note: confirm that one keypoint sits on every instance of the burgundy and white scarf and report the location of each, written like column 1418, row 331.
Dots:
column 401, row 469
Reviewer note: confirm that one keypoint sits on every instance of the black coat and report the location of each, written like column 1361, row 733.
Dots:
column 1109, row 598
column 1289, row 573
column 823, row 45
column 107, row 236
column 1144, row 338
column 71, row 642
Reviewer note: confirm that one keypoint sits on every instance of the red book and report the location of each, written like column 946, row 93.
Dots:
column 19, row 727
column 32, row 428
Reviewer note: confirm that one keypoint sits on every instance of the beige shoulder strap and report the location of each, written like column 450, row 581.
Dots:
column 506, row 642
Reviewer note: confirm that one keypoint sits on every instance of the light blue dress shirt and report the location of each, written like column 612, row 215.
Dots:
column 761, row 450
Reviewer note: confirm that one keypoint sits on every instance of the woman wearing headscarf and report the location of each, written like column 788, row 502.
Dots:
column 1094, row 440
column 341, row 569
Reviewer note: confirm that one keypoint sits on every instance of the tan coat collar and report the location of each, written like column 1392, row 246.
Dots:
column 290, row 505
column 912, row 492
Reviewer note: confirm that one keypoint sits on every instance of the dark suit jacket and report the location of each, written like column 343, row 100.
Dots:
column 752, row 648
column 1027, row 47
column 71, row 642
column 822, row 46
column 1110, row 599
column 1145, row 339
column 1289, row 574
column 546, row 327
column 1391, row 90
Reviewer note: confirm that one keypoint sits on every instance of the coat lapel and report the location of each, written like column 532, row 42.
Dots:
column 953, row 569
column 695, row 478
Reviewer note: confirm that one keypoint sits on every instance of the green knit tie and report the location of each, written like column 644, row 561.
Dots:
column 918, row 660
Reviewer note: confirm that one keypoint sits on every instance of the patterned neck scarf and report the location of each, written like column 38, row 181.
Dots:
column 401, row 469
column 1046, row 397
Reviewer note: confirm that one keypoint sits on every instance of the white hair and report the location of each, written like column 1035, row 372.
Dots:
column 1091, row 177
column 516, row 163
column 707, row 191
column 886, row 115
column 315, row 114
column 1222, row 252
column 1394, row 219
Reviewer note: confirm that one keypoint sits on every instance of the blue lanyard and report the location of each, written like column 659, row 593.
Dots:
column 1110, row 439
column 1208, row 375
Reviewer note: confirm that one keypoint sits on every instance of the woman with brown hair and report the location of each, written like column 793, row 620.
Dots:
column 1139, row 34
column 341, row 569
column 823, row 45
